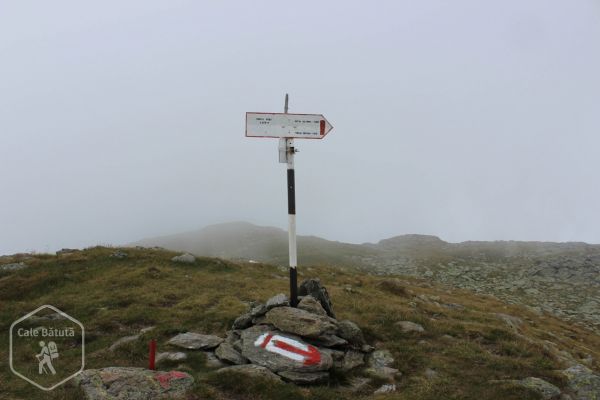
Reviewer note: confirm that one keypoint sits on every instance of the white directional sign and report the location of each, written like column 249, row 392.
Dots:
column 277, row 125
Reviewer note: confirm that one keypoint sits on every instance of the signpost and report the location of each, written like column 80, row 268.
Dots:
column 277, row 125
column 288, row 127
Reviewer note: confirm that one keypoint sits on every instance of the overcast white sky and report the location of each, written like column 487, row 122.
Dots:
column 470, row 120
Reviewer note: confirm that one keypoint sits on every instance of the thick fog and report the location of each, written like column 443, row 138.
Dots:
column 468, row 120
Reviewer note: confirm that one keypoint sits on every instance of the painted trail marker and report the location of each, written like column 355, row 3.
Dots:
column 289, row 348
column 288, row 127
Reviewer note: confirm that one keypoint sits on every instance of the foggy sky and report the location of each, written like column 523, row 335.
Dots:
column 470, row 120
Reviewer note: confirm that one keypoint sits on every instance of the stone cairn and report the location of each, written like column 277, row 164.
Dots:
column 273, row 340
column 300, row 345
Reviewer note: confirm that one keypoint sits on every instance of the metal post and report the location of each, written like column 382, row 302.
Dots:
column 152, row 355
column 291, row 191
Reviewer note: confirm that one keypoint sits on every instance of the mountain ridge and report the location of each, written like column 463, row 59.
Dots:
column 559, row 278
column 236, row 225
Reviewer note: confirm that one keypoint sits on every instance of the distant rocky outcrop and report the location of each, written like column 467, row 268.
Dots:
column 567, row 286
column 412, row 243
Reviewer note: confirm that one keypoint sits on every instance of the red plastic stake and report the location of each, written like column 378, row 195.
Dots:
column 152, row 357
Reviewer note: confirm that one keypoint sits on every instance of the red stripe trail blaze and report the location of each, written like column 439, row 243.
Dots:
column 311, row 357
column 266, row 341
column 289, row 348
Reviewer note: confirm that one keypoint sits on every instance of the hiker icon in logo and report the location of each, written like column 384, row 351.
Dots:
column 46, row 356
column 46, row 348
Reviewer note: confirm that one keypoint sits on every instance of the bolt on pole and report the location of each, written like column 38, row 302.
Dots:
column 291, row 192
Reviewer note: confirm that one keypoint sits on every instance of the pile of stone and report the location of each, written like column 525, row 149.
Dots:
column 274, row 341
column 300, row 344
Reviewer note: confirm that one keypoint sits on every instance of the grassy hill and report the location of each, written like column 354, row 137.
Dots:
column 469, row 340
column 558, row 278
column 242, row 240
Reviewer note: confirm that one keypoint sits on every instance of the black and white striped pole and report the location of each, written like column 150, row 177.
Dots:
column 290, row 150
column 287, row 127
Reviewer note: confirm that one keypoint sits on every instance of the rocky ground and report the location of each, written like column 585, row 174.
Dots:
column 222, row 334
column 566, row 286
column 304, row 346
column 561, row 279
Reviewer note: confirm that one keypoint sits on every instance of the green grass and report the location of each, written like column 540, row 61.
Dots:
column 470, row 349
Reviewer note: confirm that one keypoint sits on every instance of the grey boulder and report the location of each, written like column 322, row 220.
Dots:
column 352, row 359
column 186, row 258
column 583, row 382
column 310, row 304
column 119, row 254
column 227, row 352
column 255, row 371
column 259, row 310
column 195, row 341
column 13, row 266
column 385, row 389
column 545, row 389
column 212, row 361
column 171, row 356
column 313, row 287
column 409, row 326
column 248, row 319
column 300, row 322
column 329, row 341
column 279, row 300
column 114, row 383
column 336, row 355
column 380, row 362
column 510, row 320
column 351, row 332
column 122, row 341
column 243, row 321
column 304, row 378
column 279, row 351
